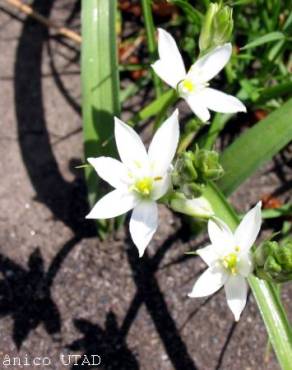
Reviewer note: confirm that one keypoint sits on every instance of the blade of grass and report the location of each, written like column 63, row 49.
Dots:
column 153, row 108
column 192, row 13
column 255, row 147
column 151, row 42
column 100, row 86
column 269, row 37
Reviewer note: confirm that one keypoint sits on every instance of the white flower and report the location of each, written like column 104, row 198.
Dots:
column 194, row 85
column 140, row 179
column 229, row 260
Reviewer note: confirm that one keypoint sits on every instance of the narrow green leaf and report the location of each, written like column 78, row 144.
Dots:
column 100, row 84
column 274, row 92
column 208, row 140
column 285, row 210
column 192, row 13
column 269, row 37
column 255, row 147
column 151, row 42
column 153, row 108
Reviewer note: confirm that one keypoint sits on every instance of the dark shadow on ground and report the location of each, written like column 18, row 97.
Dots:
column 153, row 298
column 25, row 293
column 67, row 200
column 109, row 343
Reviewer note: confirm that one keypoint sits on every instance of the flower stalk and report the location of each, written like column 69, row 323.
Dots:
column 265, row 293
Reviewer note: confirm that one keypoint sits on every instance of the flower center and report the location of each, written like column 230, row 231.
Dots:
column 188, row 85
column 144, row 186
column 229, row 262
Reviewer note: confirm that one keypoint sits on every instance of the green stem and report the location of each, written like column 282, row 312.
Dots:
column 151, row 41
column 153, row 108
column 266, row 295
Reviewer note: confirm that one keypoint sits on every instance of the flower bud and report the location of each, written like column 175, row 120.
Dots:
column 191, row 190
column 207, row 164
column 197, row 207
column 217, row 27
column 184, row 170
column 273, row 262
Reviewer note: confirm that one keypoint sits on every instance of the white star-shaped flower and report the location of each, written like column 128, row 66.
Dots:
column 229, row 260
column 194, row 85
column 140, row 179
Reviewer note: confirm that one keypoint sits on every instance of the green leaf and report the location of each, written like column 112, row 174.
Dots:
column 192, row 13
column 285, row 210
column 151, row 42
column 269, row 37
column 255, row 147
column 100, row 84
column 154, row 108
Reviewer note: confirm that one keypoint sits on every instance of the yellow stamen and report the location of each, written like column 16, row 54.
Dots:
column 144, row 186
column 230, row 263
column 188, row 85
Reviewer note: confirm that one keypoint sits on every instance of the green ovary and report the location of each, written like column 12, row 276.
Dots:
column 230, row 263
column 144, row 186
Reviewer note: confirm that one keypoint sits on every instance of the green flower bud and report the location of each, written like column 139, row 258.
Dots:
column 207, row 164
column 184, row 170
column 273, row 262
column 191, row 190
column 217, row 27
column 197, row 207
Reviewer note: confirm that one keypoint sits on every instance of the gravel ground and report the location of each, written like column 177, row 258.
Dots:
column 62, row 291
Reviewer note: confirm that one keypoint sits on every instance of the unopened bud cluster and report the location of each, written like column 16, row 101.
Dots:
column 217, row 27
column 273, row 261
column 193, row 169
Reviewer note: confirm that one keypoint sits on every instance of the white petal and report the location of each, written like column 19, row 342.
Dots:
column 170, row 66
column 221, row 102
column 197, row 207
column 130, row 147
column 220, row 235
column 212, row 63
column 198, row 106
column 209, row 282
column 245, row 265
column 163, row 146
column 113, row 204
column 161, row 186
column 110, row 170
column 208, row 254
column 143, row 224
column 236, row 293
column 248, row 229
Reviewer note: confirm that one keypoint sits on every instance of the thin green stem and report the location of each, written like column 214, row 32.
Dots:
column 266, row 295
column 151, row 41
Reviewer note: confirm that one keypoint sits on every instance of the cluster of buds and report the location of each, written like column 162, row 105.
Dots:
column 217, row 27
column 273, row 261
column 193, row 169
